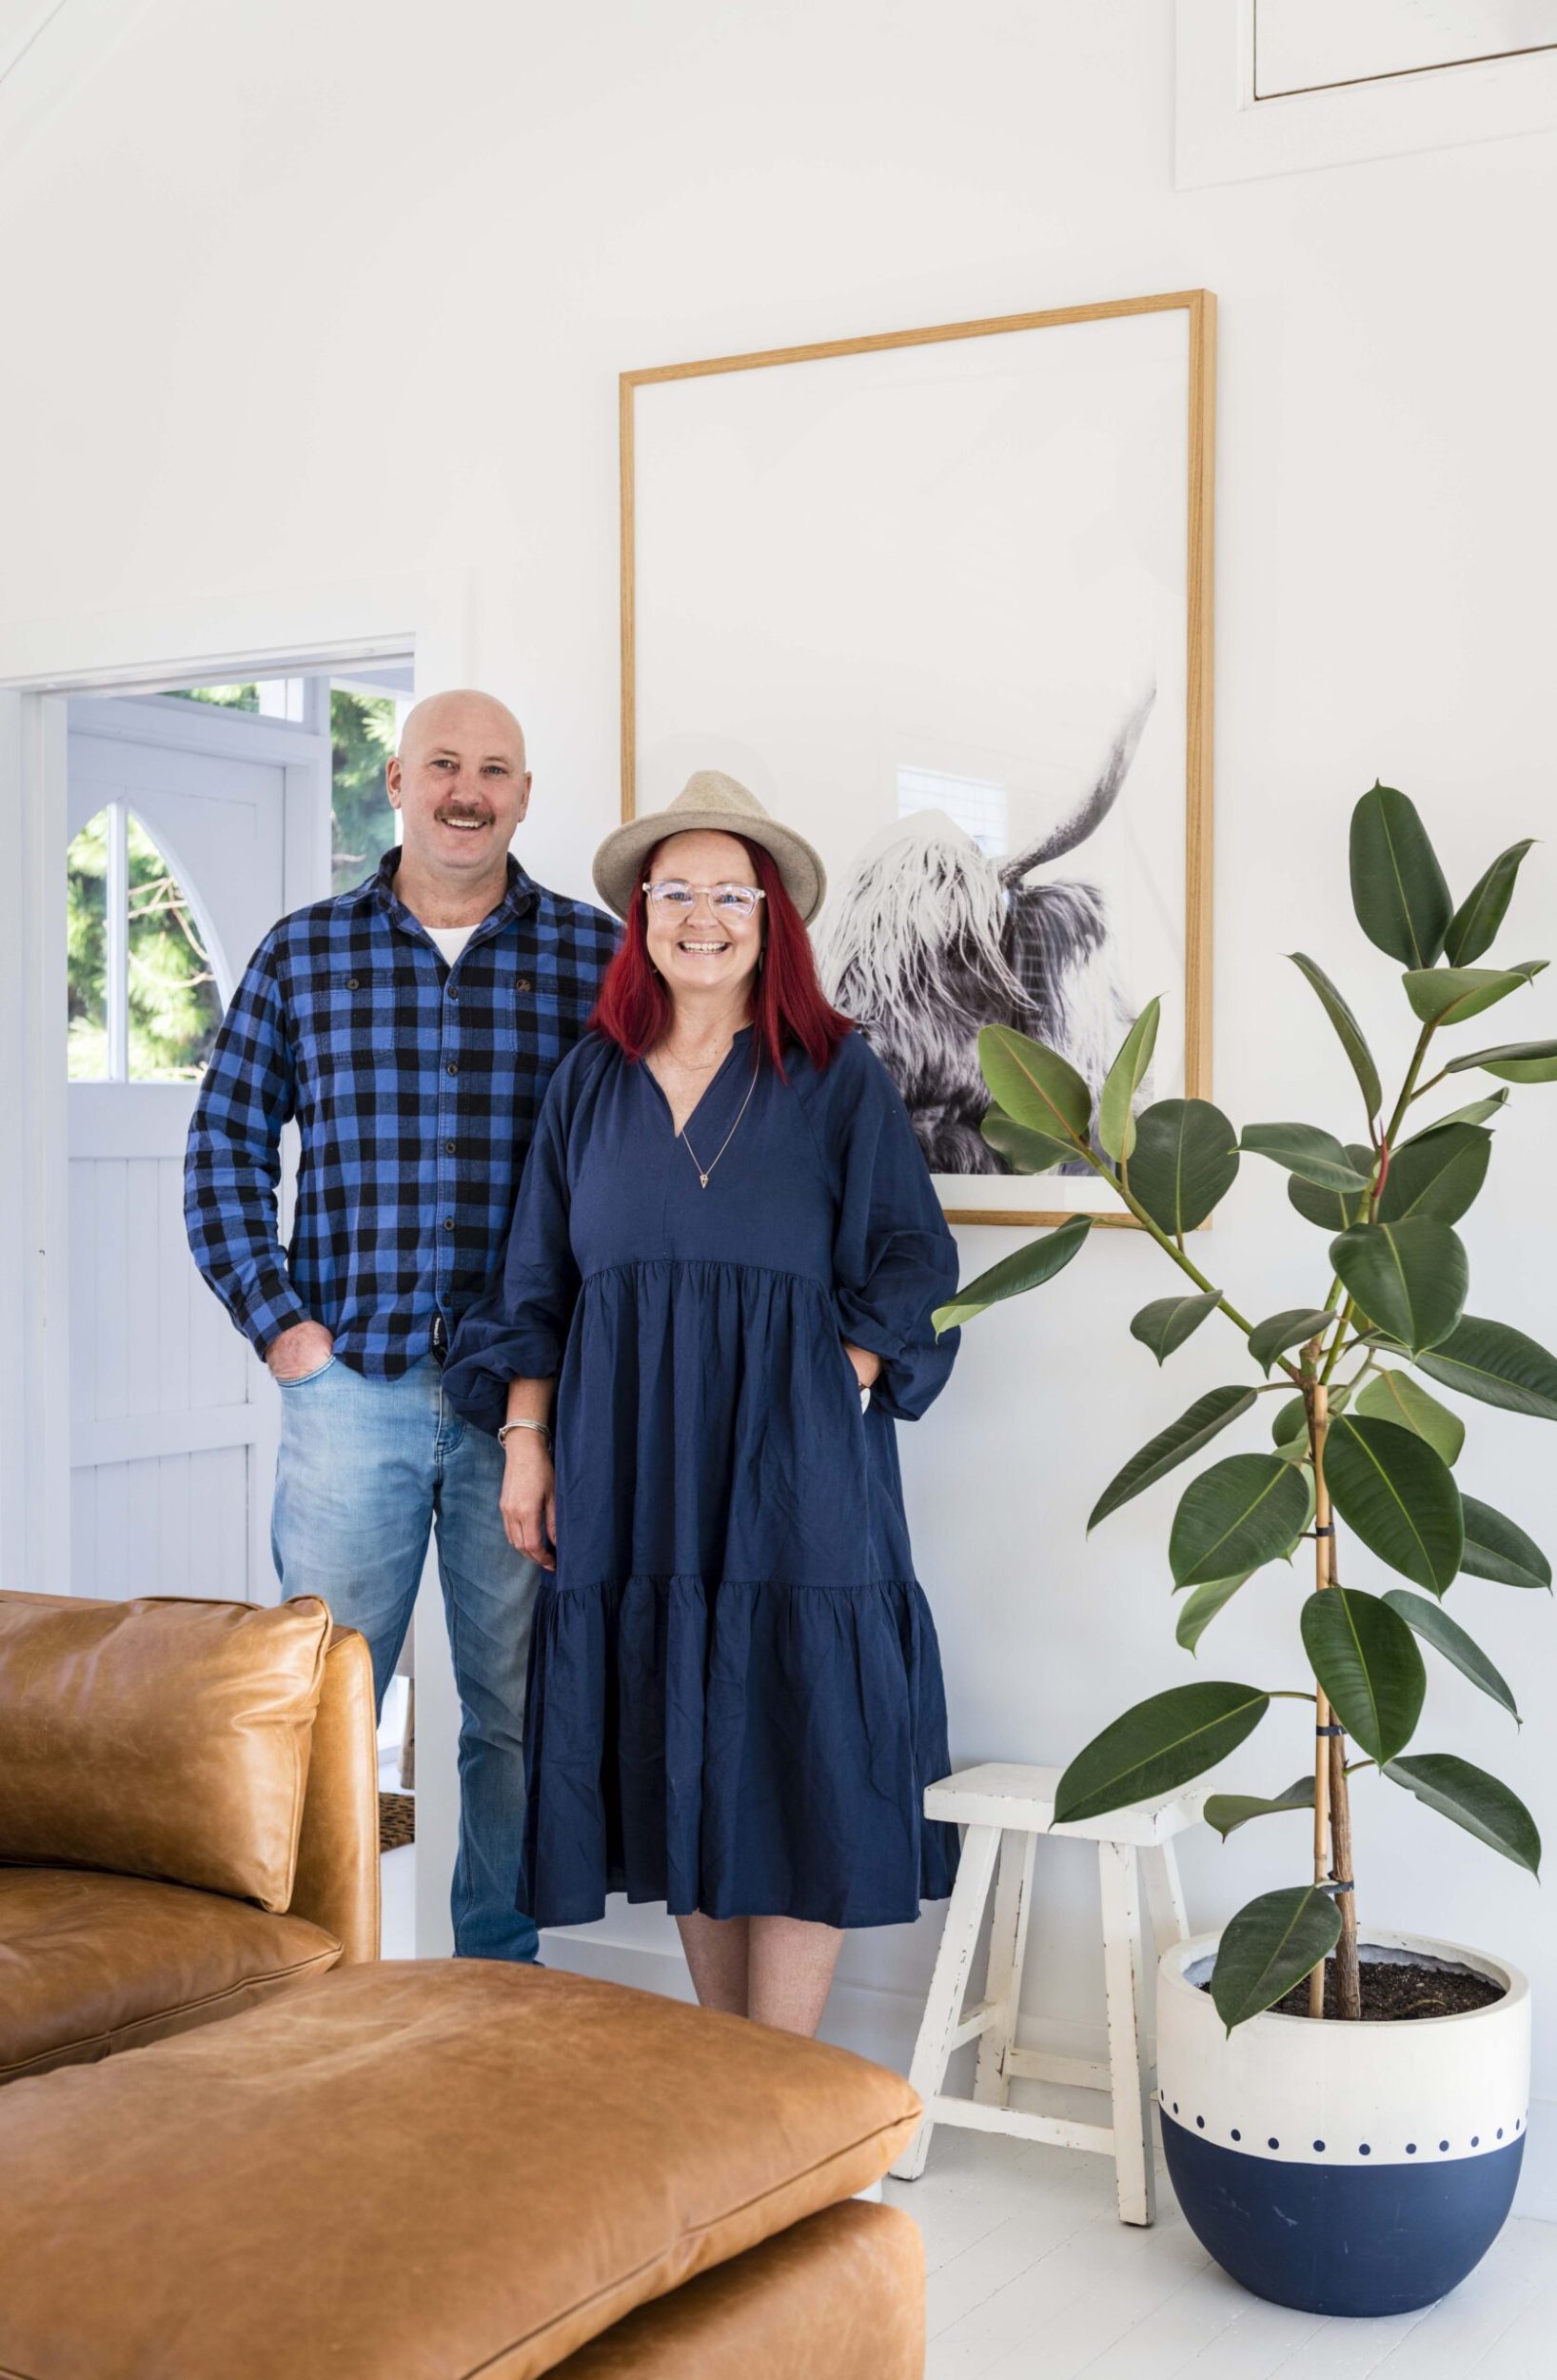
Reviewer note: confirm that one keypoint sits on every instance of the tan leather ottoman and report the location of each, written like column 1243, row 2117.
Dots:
column 437, row 2169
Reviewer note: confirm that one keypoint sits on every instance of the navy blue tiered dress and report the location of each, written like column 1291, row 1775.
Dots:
column 736, row 1696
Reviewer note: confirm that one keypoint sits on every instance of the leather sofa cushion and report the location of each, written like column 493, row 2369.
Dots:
column 841, row 2295
column 160, row 1738
column 428, row 2169
column 94, row 1963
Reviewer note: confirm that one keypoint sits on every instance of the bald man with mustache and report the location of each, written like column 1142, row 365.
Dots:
column 409, row 1028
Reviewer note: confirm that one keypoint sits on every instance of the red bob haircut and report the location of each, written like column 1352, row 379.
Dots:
column 634, row 1007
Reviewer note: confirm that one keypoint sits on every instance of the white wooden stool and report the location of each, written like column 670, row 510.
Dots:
column 1004, row 1809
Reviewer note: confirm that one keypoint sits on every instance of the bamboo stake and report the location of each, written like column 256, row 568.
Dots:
column 1320, row 1424
column 1348, row 1972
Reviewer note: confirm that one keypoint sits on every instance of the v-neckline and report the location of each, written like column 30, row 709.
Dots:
column 678, row 1131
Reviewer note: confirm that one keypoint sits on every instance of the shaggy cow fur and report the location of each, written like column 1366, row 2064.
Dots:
column 929, row 939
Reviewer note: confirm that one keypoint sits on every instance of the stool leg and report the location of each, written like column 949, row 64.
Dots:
column 1165, row 1895
column 948, row 1986
column 1003, row 1979
column 1123, row 1969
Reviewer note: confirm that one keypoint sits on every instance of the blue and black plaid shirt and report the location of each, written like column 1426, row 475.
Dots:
column 416, row 1087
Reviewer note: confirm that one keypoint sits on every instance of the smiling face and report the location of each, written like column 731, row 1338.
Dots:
column 460, row 784
column 705, row 949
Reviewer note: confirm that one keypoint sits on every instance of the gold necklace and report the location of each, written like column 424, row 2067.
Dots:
column 702, row 1174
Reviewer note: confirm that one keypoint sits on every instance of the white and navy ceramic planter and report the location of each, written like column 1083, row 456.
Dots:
column 1346, row 2169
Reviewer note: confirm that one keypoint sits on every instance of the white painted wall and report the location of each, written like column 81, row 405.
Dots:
column 301, row 296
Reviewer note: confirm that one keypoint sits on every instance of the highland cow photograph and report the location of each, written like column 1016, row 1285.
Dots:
column 942, row 601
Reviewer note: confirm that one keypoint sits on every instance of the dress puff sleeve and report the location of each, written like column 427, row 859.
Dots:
column 894, row 1258
column 518, row 1328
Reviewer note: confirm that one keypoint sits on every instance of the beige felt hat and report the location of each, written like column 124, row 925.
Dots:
column 709, row 800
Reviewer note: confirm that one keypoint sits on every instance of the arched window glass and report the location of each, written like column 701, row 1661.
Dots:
column 143, row 1002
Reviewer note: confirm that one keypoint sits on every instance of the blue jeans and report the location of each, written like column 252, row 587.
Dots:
column 367, row 1468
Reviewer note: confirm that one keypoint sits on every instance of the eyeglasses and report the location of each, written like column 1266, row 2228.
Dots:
column 675, row 900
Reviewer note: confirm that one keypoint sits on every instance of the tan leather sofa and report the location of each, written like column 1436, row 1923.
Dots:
column 443, row 2168
column 419, row 2171
column 189, row 1816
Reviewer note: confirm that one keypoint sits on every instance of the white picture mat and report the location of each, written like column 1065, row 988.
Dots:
column 1307, row 45
column 964, row 557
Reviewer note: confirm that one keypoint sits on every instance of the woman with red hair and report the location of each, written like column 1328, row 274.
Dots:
column 722, row 1264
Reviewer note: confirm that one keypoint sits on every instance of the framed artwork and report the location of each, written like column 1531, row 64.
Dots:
column 943, row 598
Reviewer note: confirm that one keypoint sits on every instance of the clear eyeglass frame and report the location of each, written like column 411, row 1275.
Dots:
column 674, row 897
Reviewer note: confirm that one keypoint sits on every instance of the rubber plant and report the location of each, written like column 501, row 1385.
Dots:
column 1359, row 1441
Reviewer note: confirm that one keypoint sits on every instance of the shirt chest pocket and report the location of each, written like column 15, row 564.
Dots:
column 348, row 1020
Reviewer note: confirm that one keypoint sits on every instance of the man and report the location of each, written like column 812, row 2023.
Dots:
column 410, row 1027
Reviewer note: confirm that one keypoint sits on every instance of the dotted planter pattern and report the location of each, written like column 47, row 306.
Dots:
column 1344, row 2169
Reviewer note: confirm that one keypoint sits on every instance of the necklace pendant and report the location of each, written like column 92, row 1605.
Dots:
column 704, row 1178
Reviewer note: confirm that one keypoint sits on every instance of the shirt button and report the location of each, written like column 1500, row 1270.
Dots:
column 351, row 982
column 452, row 993
column 448, row 1222
column 522, row 982
column 449, row 1148
column 452, row 1067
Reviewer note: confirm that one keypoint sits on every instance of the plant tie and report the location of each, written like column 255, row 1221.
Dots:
column 1329, row 1730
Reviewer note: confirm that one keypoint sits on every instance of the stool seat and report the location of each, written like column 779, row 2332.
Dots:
column 1007, row 1793
column 1005, row 1808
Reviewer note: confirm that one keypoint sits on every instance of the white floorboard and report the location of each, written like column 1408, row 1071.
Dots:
column 1032, row 2277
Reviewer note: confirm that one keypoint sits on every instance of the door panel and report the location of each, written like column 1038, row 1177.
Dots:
column 173, row 1419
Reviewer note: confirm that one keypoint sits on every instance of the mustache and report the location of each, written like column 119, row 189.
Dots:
column 461, row 809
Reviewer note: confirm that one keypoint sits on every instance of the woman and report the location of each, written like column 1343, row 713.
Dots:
column 723, row 1258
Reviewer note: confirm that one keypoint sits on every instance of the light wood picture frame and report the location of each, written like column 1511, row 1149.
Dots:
column 943, row 600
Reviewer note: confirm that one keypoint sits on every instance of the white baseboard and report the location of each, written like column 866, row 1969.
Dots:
column 882, row 2025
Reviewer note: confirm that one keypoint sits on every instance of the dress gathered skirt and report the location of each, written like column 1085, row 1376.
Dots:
column 735, row 1698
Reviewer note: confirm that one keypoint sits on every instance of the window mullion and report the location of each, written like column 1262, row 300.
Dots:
column 117, row 984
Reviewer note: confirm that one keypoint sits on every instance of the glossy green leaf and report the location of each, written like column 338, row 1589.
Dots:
column 1496, row 1547
column 1291, row 1328
column 1290, row 1430
column 1024, row 1150
column 1028, row 1269
column 1034, row 1083
column 1409, row 1279
column 1348, row 1031
column 1398, row 1495
column 1446, row 995
column 1516, row 1061
column 1303, row 1149
column 1167, row 1323
column 1395, row 1396
column 1185, row 1161
column 1201, row 1605
column 1474, row 1800
column 1497, row 1364
column 1476, row 1113
column 1434, row 1626
column 1272, row 1943
column 1244, row 1511
column 1225, row 1812
column 1172, row 1446
column 1365, row 1656
column 1438, row 1175
column 1473, row 927
column 1158, row 1745
column 1398, row 891
column 1333, row 1210
column 1117, row 1102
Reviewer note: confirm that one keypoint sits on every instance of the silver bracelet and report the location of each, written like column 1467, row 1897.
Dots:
column 539, row 1426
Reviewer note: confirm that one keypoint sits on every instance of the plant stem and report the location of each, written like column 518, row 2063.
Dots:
column 1408, row 1089
column 1175, row 1250
column 1331, row 1797
column 1318, row 1424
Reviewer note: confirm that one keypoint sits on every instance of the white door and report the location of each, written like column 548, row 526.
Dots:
column 206, row 825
